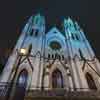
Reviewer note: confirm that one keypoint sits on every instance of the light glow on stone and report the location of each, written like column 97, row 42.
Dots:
column 23, row 51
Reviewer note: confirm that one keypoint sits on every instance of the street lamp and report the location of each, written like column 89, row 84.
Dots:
column 23, row 51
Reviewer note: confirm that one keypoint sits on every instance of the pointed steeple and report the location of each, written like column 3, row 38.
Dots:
column 69, row 20
column 65, row 26
column 39, row 20
column 65, row 22
column 70, row 23
column 77, row 26
column 36, row 25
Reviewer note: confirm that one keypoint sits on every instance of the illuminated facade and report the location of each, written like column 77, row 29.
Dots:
column 53, row 60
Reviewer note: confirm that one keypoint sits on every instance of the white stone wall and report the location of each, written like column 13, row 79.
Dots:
column 73, row 75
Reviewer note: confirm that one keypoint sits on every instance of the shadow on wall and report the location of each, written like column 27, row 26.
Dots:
column 1, row 66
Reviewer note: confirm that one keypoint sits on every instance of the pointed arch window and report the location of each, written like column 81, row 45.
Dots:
column 29, row 48
column 77, row 37
column 59, row 57
column 22, row 78
column 56, row 56
column 36, row 20
column 21, row 85
column 90, row 81
column 57, row 79
column 62, row 57
column 48, row 56
column 31, row 33
column 36, row 32
column 73, row 37
column 52, row 56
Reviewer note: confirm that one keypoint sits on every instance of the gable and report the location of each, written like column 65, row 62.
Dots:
column 55, row 32
column 55, row 35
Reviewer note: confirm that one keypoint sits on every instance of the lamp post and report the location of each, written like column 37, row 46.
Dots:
column 23, row 51
column 20, row 53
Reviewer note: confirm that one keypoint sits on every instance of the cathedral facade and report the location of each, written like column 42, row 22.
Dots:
column 53, row 60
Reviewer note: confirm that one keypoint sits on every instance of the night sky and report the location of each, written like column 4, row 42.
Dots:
column 14, row 15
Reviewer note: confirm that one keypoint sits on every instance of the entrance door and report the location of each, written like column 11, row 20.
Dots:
column 57, row 79
column 21, row 85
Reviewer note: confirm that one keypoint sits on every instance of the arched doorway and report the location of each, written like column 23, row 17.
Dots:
column 21, row 84
column 90, row 81
column 57, row 79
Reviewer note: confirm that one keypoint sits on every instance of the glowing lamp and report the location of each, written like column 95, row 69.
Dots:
column 23, row 51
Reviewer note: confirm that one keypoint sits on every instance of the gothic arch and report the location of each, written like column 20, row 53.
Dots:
column 58, row 66
column 20, row 87
column 90, row 81
column 25, row 66
column 22, row 78
column 57, row 79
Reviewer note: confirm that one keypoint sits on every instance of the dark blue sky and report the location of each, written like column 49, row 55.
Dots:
column 14, row 14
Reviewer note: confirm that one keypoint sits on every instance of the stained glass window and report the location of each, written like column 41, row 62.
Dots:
column 55, row 45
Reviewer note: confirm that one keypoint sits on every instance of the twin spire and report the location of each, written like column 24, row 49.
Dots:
column 40, row 18
column 37, row 22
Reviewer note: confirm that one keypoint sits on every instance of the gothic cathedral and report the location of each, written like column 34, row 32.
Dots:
column 53, row 61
